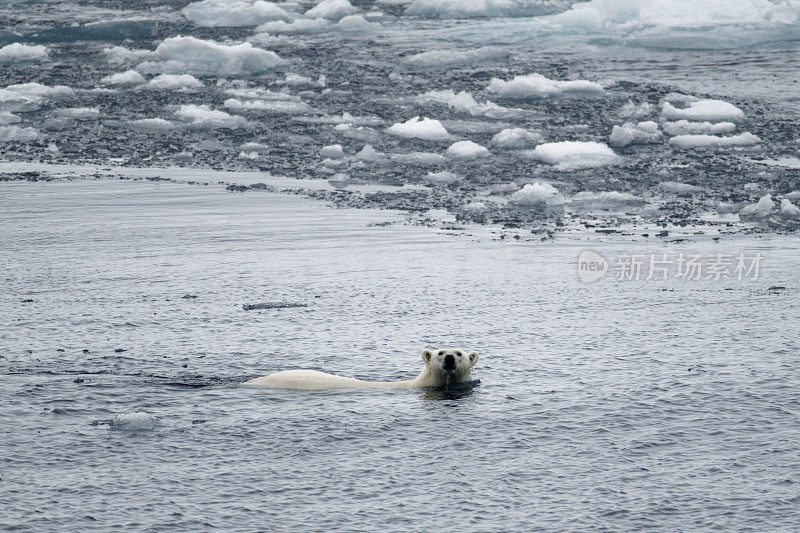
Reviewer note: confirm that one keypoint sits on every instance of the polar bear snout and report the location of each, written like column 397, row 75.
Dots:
column 449, row 363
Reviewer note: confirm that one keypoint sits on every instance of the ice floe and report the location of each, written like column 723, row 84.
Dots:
column 138, row 421
column 420, row 159
column 686, row 127
column 474, row 8
column 537, row 193
column 7, row 117
column 788, row 209
column 300, row 25
column 761, row 209
column 31, row 96
column 78, row 112
column 632, row 110
column 675, row 187
column 332, row 10
column 174, row 82
column 575, row 154
column 18, row 134
column 537, row 86
column 703, row 110
column 20, row 53
column 369, row 154
column 516, row 138
column 233, row 13
column 633, row 133
column 467, row 150
column 275, row 106
column 332, row 151
column 203, row 117
column 713, row 141
column 152, row 124
column 415, row 128
column 447, row 58
column 463, row 102
column 444, row 177
column 190, row 55
column 605, row 200
column 129, row 77
column 119, row 55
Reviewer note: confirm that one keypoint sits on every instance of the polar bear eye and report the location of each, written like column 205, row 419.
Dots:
column 441, row 352
column 459, row 354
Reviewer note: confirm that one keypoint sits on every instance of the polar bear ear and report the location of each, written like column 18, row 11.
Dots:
column 473, row 358
column 426, row 355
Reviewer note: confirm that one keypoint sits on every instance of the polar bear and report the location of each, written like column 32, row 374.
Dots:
column 443, row 368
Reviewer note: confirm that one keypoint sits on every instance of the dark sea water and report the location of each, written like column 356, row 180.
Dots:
column 667, row 405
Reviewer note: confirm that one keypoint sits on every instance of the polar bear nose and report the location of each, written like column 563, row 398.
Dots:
column 449, row 362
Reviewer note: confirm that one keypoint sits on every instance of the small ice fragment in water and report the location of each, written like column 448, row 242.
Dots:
column 332, row 10
column 576, row 154
column 700, row 110
column 174, row 82
column 537, row 193
column 204, row 117
column 467, row 150
column 426, row 129
column 788, row 209
column 232, row 13
column 129, row 77
column 153, row 124
column 369, row 154
column 443, row 177
column 20, row 53
column 759, row 210
column 713, row 141
column 536, row 85
column 516, row 138
column 679, row 188
column 686, row 127
column 333, row 151
column 632, row 133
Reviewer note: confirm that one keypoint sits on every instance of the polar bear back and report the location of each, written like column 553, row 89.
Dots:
column 314, row 380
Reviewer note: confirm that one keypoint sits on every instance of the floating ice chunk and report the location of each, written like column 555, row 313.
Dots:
column 301, row 25
column 234, row 13
column 788, row 209
column 444, row 177
column 793, row 196
column 631, row 133
column 476, row 206
column 701, row 110
column 474, row 8
column 575, row 154
column 78, row 112
column 369, row 154
column 248, row 155
column 174, row 82
column 120, row 54
column 449, row 58
column 463, row 102
column 679, row 188
column 537, row 193
column 333, row 151
column 516, row 138
column 713, row 141
column 274, row 107
column 356, row 24
column 631, row 110
column 467, row 150
column 178, row 55
column 152, row 124
column 9, row 118
column 761, row 209
column 685, row 127
column 332, row 9
column 202, row 116
column 129, row 77
column 605, row 200
column 30, row 96
column 20, row 53
column 503, row 188
column 420, row 159
column 18, row 134
column 138, row 421
column 537, row 86
column 427, row 129
column 296, row 79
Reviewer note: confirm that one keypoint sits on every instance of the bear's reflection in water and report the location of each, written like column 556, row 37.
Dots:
column 454, row 392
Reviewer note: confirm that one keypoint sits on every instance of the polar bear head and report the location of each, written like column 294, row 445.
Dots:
column 448, row 367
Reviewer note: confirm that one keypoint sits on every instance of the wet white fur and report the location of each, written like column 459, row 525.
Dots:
column 432, row 375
